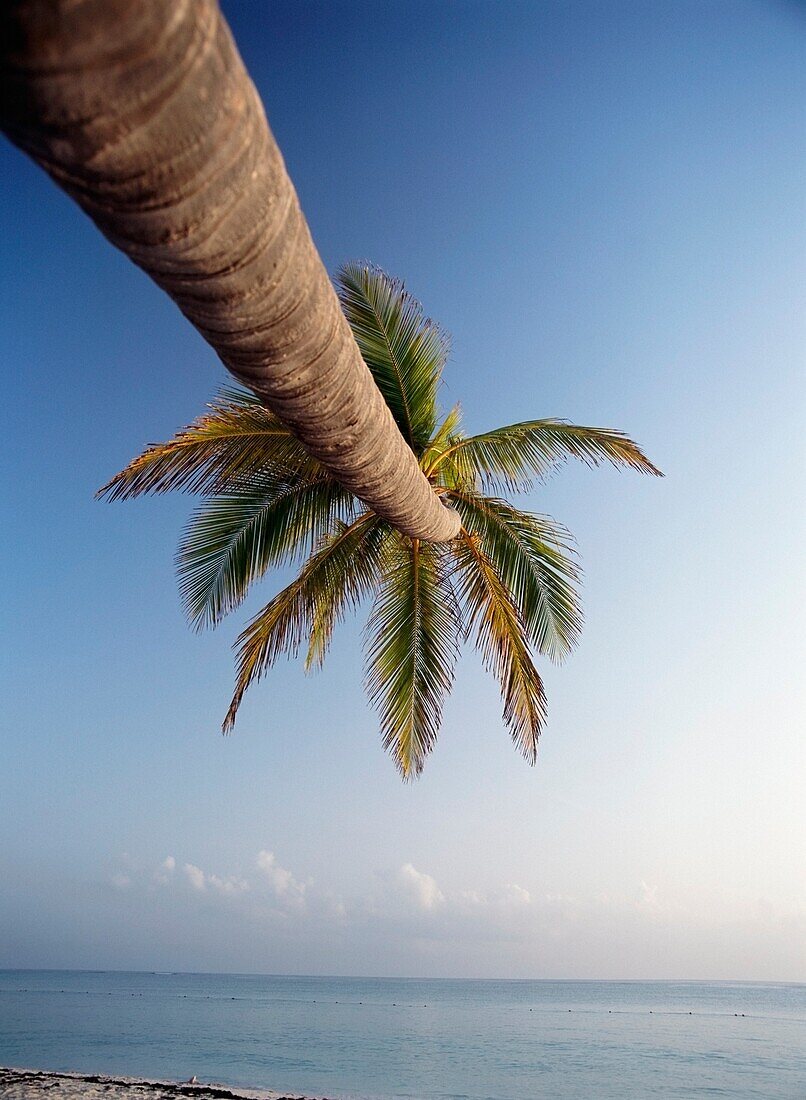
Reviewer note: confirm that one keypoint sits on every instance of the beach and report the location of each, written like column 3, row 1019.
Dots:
column 16, row 1084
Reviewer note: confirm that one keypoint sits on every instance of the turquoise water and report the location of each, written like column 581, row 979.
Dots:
column 385, row 1039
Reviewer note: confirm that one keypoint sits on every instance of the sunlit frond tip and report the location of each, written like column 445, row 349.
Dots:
column 220, row 450
column 501, row 640
column 510, row 458
column 342, row 570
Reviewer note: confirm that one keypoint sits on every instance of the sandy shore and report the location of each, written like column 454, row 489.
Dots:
column 19, row 1084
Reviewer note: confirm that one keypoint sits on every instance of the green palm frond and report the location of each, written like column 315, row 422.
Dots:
column 530, row 553
column 404, row 350
column 342, row 586
column 444, row 437
column 500, row 638
column 233, row 539
column 412, row 635
column 345, row 565
column 229, row 394
column 508, row 459
column 236, row 438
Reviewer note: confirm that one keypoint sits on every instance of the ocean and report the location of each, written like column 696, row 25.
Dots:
column 389, row 1039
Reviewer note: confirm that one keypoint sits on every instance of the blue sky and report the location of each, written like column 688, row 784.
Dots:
column 603, row 204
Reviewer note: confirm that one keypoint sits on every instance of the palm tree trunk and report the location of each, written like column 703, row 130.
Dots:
column 142, row 110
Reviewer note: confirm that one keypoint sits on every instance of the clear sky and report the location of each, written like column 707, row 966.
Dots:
column 602, row 202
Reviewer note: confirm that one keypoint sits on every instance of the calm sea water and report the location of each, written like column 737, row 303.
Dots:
column 383, row 1039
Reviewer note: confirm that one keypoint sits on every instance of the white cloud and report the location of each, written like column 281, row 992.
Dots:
column 510, row 897
column 471, row 897
column 229, row 885
column 163, row 873
column 515, row 895
column 195, row 876
column 283, row 884
column 422, row 889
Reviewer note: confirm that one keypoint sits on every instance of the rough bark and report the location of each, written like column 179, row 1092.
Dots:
column 143, row 112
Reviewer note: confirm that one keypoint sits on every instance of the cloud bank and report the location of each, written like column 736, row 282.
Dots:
column 265, row 916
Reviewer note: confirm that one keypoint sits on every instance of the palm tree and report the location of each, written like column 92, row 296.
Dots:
column 508, row 581
column 146, row 116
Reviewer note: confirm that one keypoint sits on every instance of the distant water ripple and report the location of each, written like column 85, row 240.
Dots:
column 391, row 1039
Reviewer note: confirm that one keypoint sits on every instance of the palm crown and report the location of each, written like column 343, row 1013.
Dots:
column 509, row 581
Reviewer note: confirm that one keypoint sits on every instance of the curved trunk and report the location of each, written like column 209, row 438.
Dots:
column 143, row 112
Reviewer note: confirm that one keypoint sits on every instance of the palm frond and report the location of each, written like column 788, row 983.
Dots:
column 237, row 437
column 500, row 638
column 404, row 350
column 344, row 583
column 235, row 394
column 508, row 459
column 347, row 559
column 413, row 635
column 233, row 539
column 530, row 554
column 444, row 437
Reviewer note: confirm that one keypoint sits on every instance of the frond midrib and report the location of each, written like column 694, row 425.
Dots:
column 398, row 374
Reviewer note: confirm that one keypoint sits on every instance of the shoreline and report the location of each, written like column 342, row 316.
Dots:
column 17, row 1083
